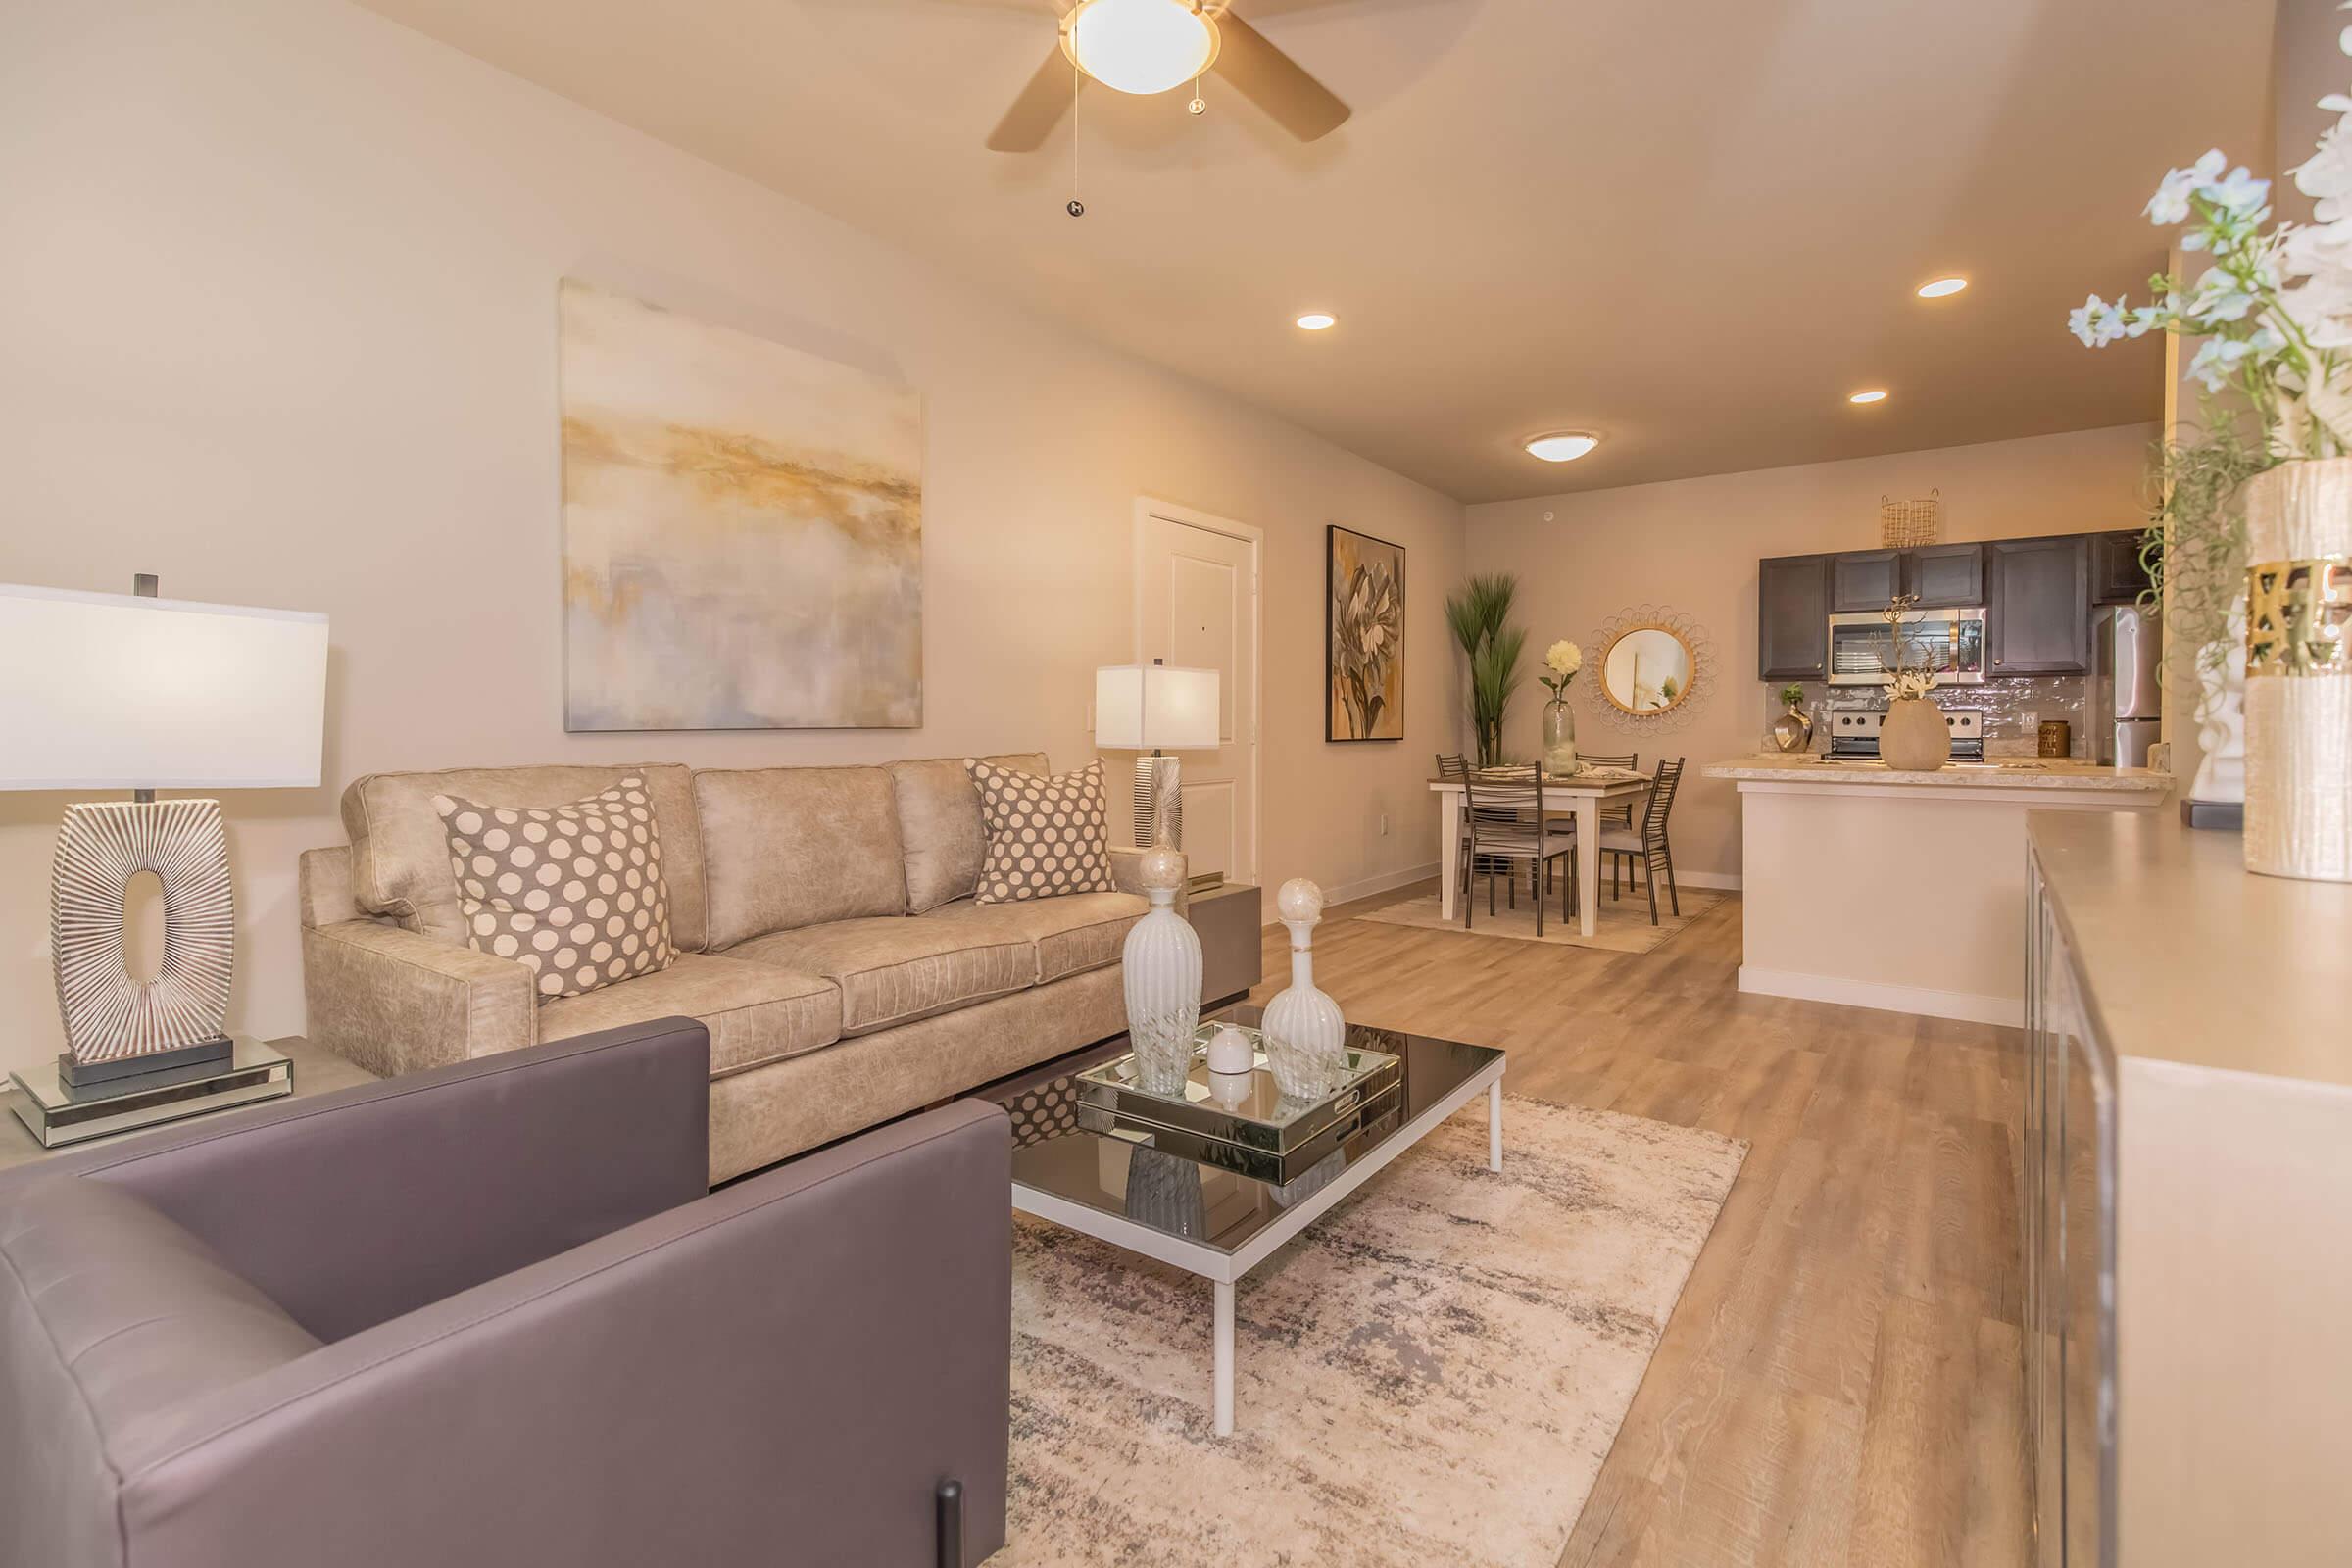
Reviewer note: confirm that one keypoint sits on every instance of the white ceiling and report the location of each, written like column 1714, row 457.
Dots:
column 1692, row 226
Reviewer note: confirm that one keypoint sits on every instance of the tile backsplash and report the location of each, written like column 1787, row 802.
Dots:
column 2014, row 708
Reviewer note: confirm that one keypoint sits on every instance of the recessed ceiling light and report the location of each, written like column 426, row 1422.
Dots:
column 1140, row 46
column 1874, row 395
column 1562, row 446
column 1318, row 322
column 1942, row 287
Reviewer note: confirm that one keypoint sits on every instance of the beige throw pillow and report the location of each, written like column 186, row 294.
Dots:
column 572, row 893
column 1045, row 836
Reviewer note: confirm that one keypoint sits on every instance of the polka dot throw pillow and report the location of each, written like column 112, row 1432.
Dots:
column 1045, row 836
column 572, row 893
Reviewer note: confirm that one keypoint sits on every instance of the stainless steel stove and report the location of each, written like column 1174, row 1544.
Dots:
column 1855, row 733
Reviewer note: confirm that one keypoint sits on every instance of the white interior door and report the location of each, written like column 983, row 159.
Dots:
column 1195, row 606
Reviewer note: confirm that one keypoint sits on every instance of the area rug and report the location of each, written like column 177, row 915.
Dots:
column 1431, row 1375
column 1622, row 927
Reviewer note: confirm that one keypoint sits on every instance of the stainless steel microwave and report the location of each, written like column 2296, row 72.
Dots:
column 1861, row 653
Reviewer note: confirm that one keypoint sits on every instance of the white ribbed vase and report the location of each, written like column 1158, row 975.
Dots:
column 2298, row 710
column 1306, row 1039
column 1163, row 964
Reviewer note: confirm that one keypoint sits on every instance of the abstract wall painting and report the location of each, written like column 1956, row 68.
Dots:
column 1365, row 679
column 743, row 529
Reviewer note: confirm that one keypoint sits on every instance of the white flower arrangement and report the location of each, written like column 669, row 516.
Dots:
column 1563, row 659
column 1906, row 685
column 2275, row 309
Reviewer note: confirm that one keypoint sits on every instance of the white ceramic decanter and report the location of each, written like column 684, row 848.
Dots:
column 1163, row 964
column 1306, row 1039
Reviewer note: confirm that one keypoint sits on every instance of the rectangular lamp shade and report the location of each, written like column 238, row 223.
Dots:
column 120, row 692
column 1156, row 706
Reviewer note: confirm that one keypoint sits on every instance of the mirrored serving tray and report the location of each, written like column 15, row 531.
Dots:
column 1239, row 1107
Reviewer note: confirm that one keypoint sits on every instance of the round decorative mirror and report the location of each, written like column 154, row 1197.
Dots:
column 1647, row 670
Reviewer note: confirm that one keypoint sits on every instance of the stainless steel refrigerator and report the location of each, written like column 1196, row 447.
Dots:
column 2127, row 685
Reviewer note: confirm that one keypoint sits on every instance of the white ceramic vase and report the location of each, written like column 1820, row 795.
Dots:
column 1162, row 968
column 1306, row 1039
column 2299, row 670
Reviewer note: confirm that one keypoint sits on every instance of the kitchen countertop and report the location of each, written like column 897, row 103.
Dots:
column 2013, row 773
column 2189, row 956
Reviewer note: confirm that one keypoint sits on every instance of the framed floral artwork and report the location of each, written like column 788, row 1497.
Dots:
column 1363, row 693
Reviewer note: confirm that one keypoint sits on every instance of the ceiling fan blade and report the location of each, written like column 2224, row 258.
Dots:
column 1038, row 110
column 1275, row 82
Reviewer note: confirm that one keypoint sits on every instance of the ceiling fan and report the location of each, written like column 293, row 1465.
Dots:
column 1154, row 46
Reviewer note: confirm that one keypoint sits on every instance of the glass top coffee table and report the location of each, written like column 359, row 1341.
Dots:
column 1120, row 1186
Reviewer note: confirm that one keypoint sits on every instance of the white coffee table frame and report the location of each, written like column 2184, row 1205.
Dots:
column 1224, row 1267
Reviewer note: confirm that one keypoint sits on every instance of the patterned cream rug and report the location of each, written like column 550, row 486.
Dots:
column 1431, row 1375
column 1622, row 927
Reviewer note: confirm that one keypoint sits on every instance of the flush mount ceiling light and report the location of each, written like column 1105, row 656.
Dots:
column 1562, row 446
column 1317, row 322
column 1874, row 395
column 1140, row 46
column 1942, row 287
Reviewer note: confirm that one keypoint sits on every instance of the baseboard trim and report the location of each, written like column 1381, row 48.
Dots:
column 1350, row 892
column 1721, row 881
column 1967, row 1006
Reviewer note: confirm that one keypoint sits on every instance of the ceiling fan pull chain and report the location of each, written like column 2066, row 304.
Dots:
column 1199, row 105
column 1074, row 207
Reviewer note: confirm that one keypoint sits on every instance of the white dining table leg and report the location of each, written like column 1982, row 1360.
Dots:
column 1587, row 863
column 1450, row 851
column 1494, row 1125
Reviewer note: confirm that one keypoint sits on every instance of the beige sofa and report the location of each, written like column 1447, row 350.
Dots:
column 825, row 931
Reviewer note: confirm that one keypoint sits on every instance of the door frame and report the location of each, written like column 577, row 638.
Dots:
column 1148, row 508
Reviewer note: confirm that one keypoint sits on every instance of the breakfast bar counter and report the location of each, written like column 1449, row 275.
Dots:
column 1904, row 891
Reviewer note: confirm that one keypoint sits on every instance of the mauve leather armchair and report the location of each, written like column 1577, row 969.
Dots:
column 490, row 1315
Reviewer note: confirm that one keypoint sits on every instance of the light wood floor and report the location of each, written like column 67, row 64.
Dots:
column 1840, row 1382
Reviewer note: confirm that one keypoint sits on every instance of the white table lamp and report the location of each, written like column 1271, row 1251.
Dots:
column 1162, row 708
column 128, row 691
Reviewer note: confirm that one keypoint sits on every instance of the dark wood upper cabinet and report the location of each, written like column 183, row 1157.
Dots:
column 1945, row 576
column 2117, row 575
column 1864, row 579
column 2037, row 619
column 1793, row 617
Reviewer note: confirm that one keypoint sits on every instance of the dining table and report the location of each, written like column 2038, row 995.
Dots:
column 1578, row 795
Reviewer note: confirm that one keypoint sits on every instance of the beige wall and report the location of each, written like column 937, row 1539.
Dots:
column 1692, row 545
column 281, row 312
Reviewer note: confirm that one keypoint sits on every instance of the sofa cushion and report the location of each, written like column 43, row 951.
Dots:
column 400, row 855
column 940, row 829
column 142, row 1317
column 1045, row 836
column 1072, row 934
column 572, row 893
column 756, row 1013
column 791, row 847
column 894, row 971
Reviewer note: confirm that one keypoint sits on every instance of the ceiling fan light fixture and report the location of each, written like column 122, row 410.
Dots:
column 1140, row 46
column 1561, row 446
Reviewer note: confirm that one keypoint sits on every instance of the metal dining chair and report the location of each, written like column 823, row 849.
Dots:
column 1507, row 829
column 1648, row 841
column 1613, row 814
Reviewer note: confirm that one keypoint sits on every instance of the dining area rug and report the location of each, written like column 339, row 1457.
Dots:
column 1623, row 926
column 1429, row 1377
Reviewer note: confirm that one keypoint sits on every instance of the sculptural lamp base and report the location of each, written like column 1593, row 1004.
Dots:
column 119, row 1026
column 1158, row 802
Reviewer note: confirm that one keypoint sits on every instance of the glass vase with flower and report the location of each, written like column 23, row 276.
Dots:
column 1561, row 660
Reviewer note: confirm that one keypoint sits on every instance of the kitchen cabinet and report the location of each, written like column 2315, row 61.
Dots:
column 1864, row 579
column 1945, row 576
column 2037, row 604
column 2117, row 575
column 1793, row 617
column 2067, row 1184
